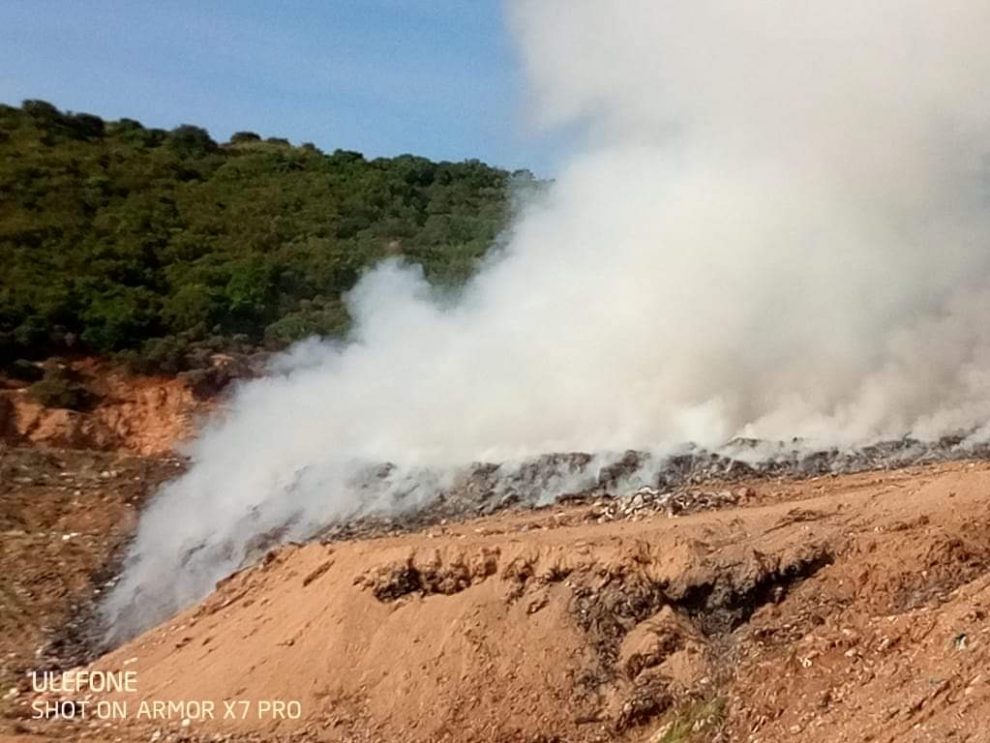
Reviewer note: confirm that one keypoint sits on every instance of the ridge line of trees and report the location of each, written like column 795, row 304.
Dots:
column 165, row 246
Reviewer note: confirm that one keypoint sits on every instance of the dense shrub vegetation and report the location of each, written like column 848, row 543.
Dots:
column 117, row 238
column 60, row 387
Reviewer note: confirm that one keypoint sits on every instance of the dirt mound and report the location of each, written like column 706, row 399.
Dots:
column 838, row 608
column 140, row 415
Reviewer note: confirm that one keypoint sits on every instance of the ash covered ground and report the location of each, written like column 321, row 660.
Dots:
column 705, row 475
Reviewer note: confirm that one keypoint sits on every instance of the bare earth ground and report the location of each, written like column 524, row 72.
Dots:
column 849, row 608
column 140, row 415
column 64, row 516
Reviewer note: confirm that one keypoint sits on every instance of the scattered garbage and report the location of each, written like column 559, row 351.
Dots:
column 650, row 501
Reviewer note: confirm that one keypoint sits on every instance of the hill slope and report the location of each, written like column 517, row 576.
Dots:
column 119, row 237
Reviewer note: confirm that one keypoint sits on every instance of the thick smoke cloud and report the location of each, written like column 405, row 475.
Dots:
column 777, row 229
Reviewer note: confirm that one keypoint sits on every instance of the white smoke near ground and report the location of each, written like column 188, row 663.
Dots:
column 777, row 229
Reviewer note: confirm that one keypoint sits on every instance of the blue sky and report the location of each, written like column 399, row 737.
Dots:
column 434, row 77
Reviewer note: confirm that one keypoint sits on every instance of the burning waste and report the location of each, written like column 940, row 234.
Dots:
column 770, row 231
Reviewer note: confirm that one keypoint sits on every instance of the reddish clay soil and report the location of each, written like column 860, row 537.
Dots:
column 850, row 608
column 134, row 414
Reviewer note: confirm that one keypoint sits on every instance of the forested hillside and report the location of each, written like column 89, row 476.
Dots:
column 117, row 238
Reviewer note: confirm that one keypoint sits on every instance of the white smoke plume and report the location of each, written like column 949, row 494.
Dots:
column 778, row 228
